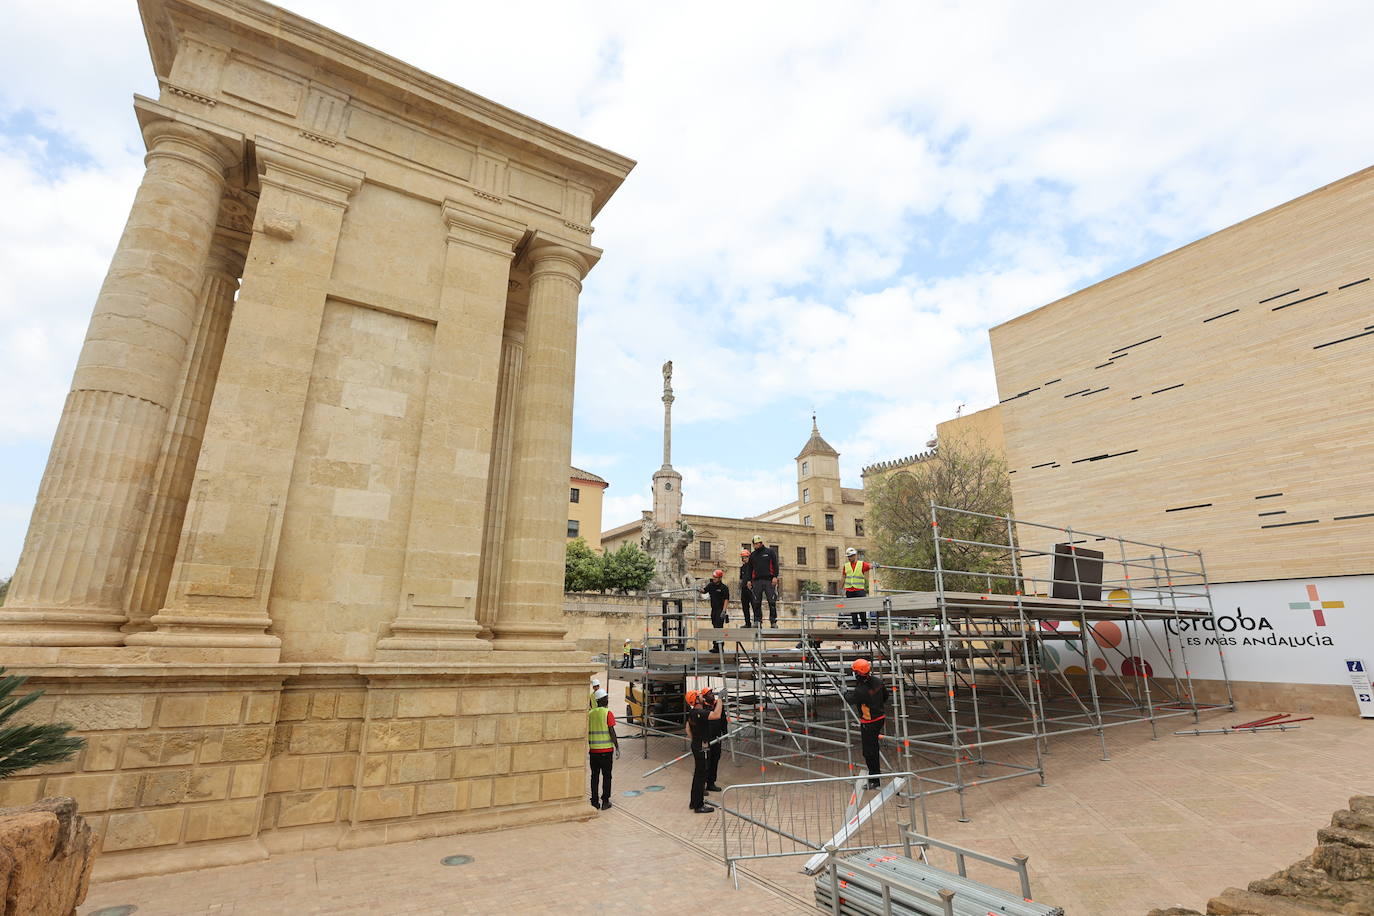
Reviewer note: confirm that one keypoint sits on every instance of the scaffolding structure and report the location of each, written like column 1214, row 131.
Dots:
column 985, row 668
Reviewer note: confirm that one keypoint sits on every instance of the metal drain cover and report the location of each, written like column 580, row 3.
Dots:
column 123, row 910
column 455, row 860
column 653, row 788
column 632, row 793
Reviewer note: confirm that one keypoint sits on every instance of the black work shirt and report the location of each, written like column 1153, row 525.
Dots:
column 718, row 592
column 763, row 564
column 699, row 727
column 869, row 698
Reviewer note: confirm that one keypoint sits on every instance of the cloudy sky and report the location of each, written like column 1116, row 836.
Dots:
column 833, row 201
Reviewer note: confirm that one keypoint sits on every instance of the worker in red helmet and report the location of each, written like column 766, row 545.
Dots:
column 746, row 594
column 719, row 593
column 869, row 699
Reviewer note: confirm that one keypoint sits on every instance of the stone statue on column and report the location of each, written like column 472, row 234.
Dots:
column 665, row 535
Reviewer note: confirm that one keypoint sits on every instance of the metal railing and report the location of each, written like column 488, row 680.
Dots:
column 801, row 817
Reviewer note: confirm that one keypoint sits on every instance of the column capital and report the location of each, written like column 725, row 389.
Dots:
column 167, row 132
column 544, row 253
column 470, row 226
column 304, row 173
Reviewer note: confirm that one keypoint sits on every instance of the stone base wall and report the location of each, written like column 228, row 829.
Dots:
column 188, row 767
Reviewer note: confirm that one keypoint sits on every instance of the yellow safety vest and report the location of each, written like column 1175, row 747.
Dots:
column 854, row 576
column 598, row 730
column 591, row 700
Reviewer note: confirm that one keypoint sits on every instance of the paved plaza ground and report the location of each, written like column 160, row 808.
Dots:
column 1172, row 821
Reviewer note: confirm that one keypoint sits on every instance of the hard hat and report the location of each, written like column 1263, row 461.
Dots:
column 861, row 666
column 601, row 694
column 691, row 698
column 758, row 539
column 744, row 553
column 595, row 682
column 851, row 552
column 717, row 573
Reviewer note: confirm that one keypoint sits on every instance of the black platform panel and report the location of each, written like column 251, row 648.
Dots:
column 1077, row 573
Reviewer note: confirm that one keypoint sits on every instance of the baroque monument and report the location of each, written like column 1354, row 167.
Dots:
column 295, row 567
column 665, row 535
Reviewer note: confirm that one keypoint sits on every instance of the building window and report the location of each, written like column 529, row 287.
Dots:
column 575, row 496
column 858, row 527
column 832, row 588
column 573, row 526
column 806, row 468
column 806, row 520
column 777, row 551
column 832, row 557
column 704, row 550
column 806, row 495
column 801, row 556
column 829, row 522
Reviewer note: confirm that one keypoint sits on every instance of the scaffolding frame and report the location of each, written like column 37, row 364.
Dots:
column 981, row 682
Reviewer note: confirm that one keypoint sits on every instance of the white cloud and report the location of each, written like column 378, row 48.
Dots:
column 832, row 202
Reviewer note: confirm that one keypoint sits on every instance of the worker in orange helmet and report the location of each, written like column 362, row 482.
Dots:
column 746, row 594
column 869, row 699
column 719, row 593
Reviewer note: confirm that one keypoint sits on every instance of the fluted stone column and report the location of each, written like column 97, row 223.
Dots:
column 154, row 558
column 531, row 585
column 216, row 604
column 437, row 608
column 498, row 479
column 69, row 588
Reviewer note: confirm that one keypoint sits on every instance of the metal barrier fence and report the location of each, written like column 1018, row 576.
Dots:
column 802, row 817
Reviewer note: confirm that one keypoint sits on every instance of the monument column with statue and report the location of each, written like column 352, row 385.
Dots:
column 665, row 536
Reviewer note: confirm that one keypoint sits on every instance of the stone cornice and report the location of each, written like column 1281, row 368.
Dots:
column 280, row 28
column 471, row 226
column 304, row 173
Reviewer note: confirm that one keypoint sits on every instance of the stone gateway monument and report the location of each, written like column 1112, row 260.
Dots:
column 295, row 568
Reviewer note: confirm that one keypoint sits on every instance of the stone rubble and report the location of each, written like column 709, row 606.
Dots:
column 1338, row 877
column 46, row 852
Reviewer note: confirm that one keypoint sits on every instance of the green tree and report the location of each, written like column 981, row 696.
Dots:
column 629, row 569
column 583, row 570
column 812, row 586
column 24, row 746
column 962, row 474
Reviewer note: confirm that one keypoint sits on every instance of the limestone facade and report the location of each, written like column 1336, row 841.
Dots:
column 1219, row 393
column 314, row 453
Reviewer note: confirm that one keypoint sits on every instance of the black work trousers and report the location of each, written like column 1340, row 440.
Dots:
column 713, row 763
column 868, row 735
column 748, row 603
column 601, row 761
column 858, row 618
column 764, row 588
column 699, row 765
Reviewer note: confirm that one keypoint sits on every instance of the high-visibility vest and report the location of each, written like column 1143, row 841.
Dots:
column 598, row 729
column 591, row 700
column 854, row 576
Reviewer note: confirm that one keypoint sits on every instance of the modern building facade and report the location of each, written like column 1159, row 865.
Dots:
column 1217, row 398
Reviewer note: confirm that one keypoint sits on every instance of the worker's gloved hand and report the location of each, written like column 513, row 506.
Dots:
column 617, row 753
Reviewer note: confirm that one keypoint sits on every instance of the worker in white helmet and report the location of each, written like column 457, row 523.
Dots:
column 856, row 572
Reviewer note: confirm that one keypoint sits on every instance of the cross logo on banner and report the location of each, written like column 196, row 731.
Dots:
column 1315, row 605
